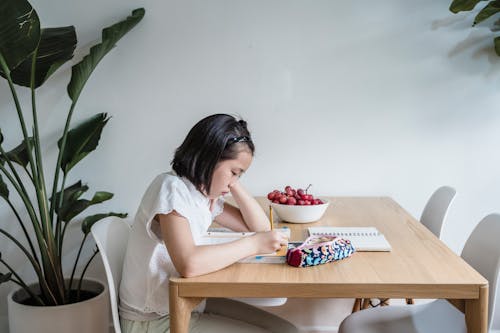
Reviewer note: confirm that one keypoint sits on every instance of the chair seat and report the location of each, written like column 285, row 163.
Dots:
column 435, row 317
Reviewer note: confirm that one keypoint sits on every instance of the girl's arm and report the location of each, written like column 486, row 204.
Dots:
column 191, row 260
column 249, row 216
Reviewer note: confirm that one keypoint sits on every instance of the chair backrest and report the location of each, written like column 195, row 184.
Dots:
column 436, row 209
column 482, row 252
column 111, row 236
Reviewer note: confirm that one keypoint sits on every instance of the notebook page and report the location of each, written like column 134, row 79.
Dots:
column 222, row 235
column 363, row 238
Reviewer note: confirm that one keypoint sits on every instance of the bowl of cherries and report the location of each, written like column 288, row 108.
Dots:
column 297, row 206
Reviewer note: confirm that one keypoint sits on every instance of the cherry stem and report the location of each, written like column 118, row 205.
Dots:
column 308, row 187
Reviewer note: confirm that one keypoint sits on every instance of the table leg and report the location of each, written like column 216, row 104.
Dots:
column 180, row 310
column 476, row 312
column 357, row 305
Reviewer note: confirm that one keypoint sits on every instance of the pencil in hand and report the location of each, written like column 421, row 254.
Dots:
column 271, row 217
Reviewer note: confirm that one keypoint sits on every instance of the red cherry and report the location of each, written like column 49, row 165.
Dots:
column 271, row 195
column 300, row 192
column 301, row 202
column 307, row 202
column 283, row 199
column 276, row 201
column 291, row 201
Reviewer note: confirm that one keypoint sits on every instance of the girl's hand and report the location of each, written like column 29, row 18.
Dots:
column 269, row 241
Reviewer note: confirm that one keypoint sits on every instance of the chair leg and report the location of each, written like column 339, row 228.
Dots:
column 366, row 303
column 384, row 301
column 410, row 301
column 357, row 305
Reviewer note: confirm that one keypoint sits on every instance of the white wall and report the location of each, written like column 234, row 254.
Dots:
column 358, row 98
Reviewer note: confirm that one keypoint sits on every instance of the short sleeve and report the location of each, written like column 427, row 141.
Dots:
column 218, row 207
column 165, row 194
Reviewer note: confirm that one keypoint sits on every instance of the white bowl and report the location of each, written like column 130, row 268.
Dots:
column 300, row 214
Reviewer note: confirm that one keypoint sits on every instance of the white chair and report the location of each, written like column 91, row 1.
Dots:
column 481, row 251
column 111, row 236
column 436, row 209
column 433, row 217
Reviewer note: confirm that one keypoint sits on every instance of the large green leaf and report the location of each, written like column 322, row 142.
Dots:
column 110, row 36
column 89, row 221
column 82, row 140
column 68, row 212
column 19, row 154
column 19, row 31
column 71, row 194
column 4, row 190
column 70, row 202
column 101, row 196
column 491, row 9
column 463, row 5
column 55, row 48
column 72, row 208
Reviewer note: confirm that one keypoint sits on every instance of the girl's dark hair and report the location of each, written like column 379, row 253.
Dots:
column 216, row 138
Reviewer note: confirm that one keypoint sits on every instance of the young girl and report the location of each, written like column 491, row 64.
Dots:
column 174, row 213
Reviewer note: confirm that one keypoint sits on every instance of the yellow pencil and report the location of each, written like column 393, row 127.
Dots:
column 271, row 217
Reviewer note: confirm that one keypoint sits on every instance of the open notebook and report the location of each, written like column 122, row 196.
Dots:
column 223, row 235
column 363, row 238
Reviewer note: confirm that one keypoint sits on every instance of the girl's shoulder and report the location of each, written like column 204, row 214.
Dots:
column 169, row 181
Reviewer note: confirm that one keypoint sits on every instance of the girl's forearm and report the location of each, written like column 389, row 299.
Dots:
column 210, row 258
column 252, row 212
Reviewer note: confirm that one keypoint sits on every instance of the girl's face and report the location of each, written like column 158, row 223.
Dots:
column 228, row 172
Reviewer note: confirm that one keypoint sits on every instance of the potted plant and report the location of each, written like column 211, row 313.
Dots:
column 491, row 9
column 29, row 55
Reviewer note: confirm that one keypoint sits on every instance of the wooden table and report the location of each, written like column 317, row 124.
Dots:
column 419, row 266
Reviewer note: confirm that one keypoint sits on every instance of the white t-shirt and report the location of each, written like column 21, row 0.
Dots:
column 147, row 265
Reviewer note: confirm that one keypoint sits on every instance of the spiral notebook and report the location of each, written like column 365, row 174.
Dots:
column 363, row 238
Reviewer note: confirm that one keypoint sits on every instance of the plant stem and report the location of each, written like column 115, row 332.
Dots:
column 20, row 186
column 59, row 236
column 26, row 201
column 28, row 238
column 38, row 271
column 83, row 273
column 59, row 160
column 76, row 263
column 55, row 279
column 47, row 234
column 14, row 172
column 6, row 72
column 21, row 283
column 43, row 205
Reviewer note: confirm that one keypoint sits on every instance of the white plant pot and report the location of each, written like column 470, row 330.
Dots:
column 89, row 316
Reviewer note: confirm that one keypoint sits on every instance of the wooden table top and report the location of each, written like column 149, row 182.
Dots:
column 419, row 265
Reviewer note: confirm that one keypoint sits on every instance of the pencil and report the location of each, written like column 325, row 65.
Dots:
column 271, row 217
